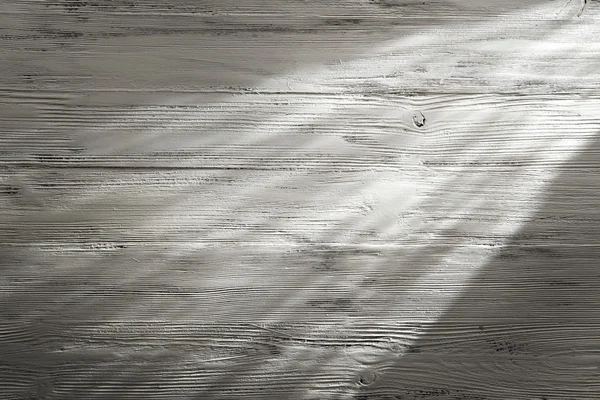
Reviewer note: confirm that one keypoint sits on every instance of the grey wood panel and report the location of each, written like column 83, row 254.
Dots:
column 303, row 200
column 437, row 47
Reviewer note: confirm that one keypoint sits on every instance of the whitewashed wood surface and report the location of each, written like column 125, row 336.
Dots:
column 272, row 199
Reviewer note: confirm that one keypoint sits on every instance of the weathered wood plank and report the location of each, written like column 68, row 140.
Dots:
column 343, row 169
column 320, row 284
column 300, row 361
column 408, row 47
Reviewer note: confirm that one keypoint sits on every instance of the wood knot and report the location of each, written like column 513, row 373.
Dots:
column 418, row 119
column 366, row 377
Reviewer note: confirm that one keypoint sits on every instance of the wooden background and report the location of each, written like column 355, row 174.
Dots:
column 303, row 199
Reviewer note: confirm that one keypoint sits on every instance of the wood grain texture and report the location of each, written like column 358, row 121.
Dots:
column 264, row 199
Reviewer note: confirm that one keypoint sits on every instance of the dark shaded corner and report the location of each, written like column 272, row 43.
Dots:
column 527, row 326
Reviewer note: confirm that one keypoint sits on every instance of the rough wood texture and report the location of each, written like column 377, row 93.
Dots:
column 271, row 199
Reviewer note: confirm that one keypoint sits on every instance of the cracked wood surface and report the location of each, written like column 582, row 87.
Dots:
column 299, row 200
